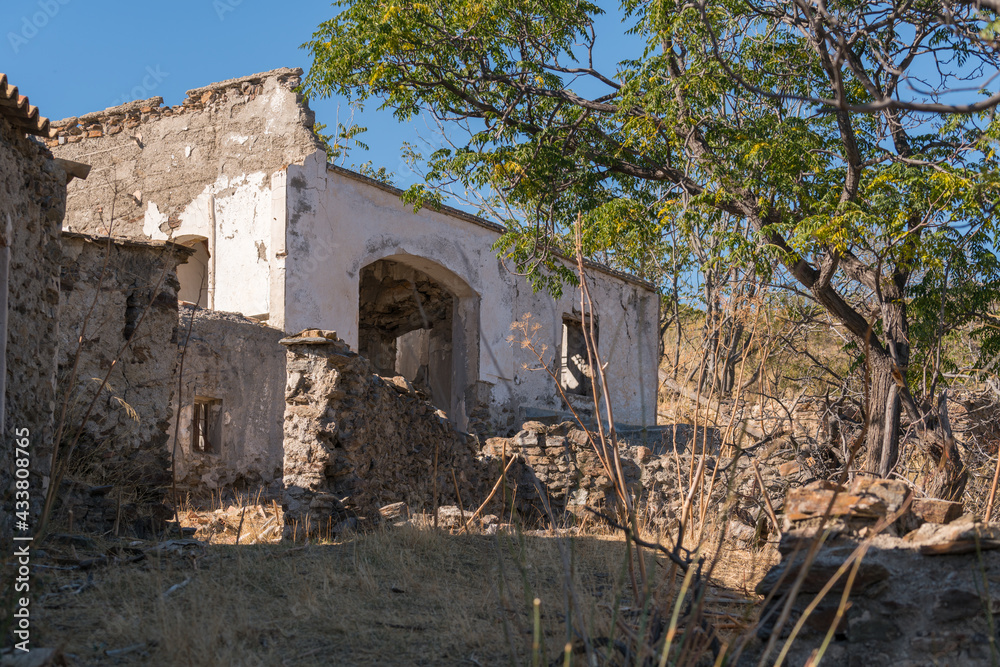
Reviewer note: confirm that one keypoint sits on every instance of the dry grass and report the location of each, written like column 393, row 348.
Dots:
column 403, row 596
column 244, row 519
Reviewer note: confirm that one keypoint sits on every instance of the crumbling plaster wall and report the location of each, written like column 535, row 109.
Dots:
column 239, row 361
column 120, row 297
column 200, row 169
column 339, row 222
column 32, row 202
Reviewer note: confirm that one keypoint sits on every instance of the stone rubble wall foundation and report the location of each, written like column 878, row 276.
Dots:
column 354, row 442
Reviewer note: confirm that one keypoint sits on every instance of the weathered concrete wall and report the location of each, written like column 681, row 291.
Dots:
column 121, row 298
column 354, row 443
column 32, row 201
column 199, row 170
column 339, row 222
column 239, row 362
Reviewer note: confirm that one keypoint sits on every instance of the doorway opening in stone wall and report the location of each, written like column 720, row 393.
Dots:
column 195, row 274
column 419, row 320
column 575, row 374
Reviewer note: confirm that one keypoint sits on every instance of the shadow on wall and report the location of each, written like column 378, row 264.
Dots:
column 232, row 402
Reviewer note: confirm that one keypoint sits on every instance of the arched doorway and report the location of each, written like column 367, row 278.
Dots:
column 419, row 320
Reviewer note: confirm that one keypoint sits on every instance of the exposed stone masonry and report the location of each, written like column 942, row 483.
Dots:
column 405, row 325
column 114, row 292
column 561, row 462
column 154, row 158
column 32, row 202
column 924, row 593
column 129, row 116
column 355, row 442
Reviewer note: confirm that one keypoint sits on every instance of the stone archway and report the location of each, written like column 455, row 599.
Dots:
column 419, row 320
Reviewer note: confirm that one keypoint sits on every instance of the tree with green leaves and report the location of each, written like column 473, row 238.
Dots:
column 851, row 143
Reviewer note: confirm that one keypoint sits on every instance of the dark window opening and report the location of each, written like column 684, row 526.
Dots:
column 575, row 374
column 206, row 427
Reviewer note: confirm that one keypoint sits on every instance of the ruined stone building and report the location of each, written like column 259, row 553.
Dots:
column 281, row 241
column 51, row 279
column 31, row 206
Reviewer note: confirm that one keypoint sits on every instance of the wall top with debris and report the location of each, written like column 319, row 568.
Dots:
column 158, row 166
column 182, row 251
column 314, row 337
column 129, row 115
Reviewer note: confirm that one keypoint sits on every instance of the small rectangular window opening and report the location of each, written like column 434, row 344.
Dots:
column 576, row 375
column 206, row 427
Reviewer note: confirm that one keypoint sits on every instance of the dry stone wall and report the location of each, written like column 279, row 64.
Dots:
column 238, row 362
column 355, row 442
column 557, row 465
column 32, row 202
column 925, row 592
column 121, row 298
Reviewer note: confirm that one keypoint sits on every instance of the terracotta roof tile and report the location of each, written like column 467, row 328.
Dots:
column 20, row 112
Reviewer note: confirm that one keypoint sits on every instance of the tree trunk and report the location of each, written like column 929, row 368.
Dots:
column 888, row 372
column 883, row 416
column 944, row 474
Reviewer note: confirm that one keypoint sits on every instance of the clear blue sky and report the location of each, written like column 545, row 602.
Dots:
column 71, row 57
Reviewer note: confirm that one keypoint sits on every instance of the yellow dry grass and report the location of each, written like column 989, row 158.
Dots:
column 403, row 596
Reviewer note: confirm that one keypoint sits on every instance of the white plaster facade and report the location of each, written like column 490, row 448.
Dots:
column 288, row 236
column 337, row 222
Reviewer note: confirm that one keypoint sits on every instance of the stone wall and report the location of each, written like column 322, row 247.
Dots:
column 560, row 463
column 32, row 201
column 121, row 298
column 237, row 361
column 557, row 467
column 355, row 442
column 925, row 592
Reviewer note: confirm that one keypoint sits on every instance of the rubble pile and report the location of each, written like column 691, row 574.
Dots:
column 354, row 442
